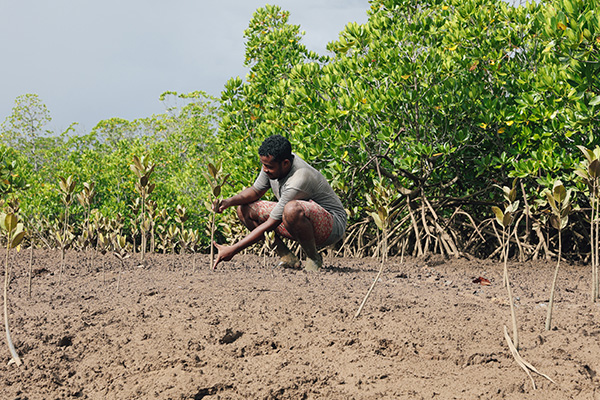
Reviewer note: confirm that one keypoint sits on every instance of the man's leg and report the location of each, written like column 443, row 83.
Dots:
column 299, row 225
column 254, row 214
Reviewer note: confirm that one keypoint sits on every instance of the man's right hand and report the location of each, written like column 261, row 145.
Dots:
column 219, row 206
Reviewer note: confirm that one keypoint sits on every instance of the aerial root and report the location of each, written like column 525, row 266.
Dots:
column 527, row 367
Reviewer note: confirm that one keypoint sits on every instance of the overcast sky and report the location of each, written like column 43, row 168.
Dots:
column 94, row 60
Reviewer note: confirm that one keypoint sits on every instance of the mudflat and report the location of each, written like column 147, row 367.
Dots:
column 176, row 329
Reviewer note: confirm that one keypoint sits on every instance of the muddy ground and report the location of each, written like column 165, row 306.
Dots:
column 248, row 331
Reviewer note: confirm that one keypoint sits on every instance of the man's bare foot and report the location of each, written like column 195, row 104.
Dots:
column 314, row 264
column 289, row 261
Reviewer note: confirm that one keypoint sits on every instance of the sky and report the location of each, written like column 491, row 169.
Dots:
column 94, row 60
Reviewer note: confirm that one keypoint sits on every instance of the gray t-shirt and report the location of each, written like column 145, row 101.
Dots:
column 305, row 183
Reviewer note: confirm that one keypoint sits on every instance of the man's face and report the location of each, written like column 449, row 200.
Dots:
column 273, row 169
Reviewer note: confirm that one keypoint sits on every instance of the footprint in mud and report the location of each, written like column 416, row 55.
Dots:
column 65, row 341
column 230, row 336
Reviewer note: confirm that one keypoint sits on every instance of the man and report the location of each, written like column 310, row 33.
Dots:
column 307, row 211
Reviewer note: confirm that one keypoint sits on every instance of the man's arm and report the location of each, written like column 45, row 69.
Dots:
column 226, row 253
column 246, row 196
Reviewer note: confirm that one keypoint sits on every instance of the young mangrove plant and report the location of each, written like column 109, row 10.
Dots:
column 120, row 246
column 560, row 206
column 505, row 219
column 216, row 180
column 189, row 240
column 14, row 235
column 143, row 169
column 172, row 235
column 67, row 187
column 589, row 171
column 135, row 222
column 163, row 219
column 85, row 198
column 102, row 246
column 152, row 216
column 382, row 212
column 181, row 216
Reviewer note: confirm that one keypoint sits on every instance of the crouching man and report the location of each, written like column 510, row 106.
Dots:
column 307, row 211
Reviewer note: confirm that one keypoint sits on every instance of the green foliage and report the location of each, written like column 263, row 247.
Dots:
column 505, row 218
column 10, row 180
column 559, row 200
column 13, row 229
column 437, row 101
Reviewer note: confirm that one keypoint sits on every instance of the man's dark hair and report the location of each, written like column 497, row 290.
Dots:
column 278, row 147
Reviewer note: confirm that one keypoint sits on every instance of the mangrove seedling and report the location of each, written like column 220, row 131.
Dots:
column 120, row 251
column 589, row 172
column 14, row 235
column 135, row 221
column 143, row 169
column 216, row 180
column 102, row 246
column 152, row 216
column 505, row 220
column 560, row 206
column 189, row 239
column 85, row 198
column 172, row 234
column 382, row 212
column 181, row 216
column 163, row 219
column 67, row 187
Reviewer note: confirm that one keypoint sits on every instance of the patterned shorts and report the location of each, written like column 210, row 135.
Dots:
column 322, row 221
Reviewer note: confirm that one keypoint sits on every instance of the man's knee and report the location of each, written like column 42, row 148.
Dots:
column 293, row 211
column 243, row 212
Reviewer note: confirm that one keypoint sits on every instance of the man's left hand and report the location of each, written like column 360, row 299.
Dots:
column 225, row 253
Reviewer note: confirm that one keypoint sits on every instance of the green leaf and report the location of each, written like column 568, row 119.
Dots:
column 10, row 222
column 383, row 213
column 507, row 220
column 137, row 164
column 583, row 174
column 208, row 178
column 564, row 221
column 17, row 236
column 559, row 192
column 566, row 211
column 499, row 215
column 512, row 194
column 377, row 220
column 225, row 179
column 589, row 154
column 551, row 200
column 63, row 184
column 594, row 169
column 213, row 170
column 135, row 170
column 595, row 101
column 554, row 221
column 513, row 207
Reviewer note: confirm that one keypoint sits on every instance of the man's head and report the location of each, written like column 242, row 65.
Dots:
column 276, row 156
column 276, row 146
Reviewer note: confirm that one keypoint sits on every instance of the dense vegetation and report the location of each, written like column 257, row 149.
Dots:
column 418, row 118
